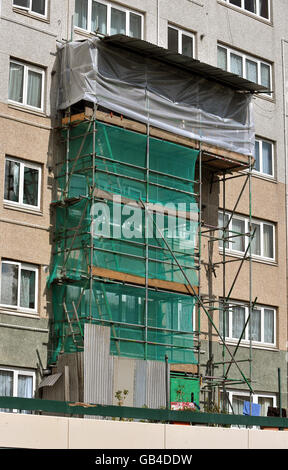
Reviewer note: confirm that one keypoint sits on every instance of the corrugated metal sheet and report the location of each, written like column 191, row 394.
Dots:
column 182, row 61
column 140, row 383
column 50, row 380
column 98, row 365
column 156, row 384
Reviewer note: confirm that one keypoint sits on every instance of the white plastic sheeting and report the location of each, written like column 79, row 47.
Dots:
column 149, row 90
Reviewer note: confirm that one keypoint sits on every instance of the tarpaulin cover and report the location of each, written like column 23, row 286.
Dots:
column 146, row 90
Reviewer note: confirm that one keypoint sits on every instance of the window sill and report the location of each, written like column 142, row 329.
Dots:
column 256, row 260
column 84, row 32
column 247, row 13
column 18, row 313
column 264, row 347
column 26, row 109
column 19, row 208
column 44, row 19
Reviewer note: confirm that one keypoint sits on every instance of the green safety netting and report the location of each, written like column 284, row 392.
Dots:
column 124, row 238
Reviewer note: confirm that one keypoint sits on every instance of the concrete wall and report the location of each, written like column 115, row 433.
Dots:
column 43, row 432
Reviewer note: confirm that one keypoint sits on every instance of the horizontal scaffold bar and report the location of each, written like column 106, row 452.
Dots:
column 139, row 280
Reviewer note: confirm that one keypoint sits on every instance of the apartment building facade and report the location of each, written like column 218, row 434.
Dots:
column 244, row 37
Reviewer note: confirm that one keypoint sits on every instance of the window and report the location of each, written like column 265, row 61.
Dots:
column 16, row 383
column 37, row 7
column 257, row 7
column 263, row 242
column 107, row 18
column 26, row 85
column 180, row 41
column 264, row 157
column 22, row 183
column 251, row 68
column 262, row 324
column 19, row 286
column 237, row 399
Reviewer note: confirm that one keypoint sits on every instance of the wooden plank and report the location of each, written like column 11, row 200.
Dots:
column 139, row 280
column 190, row 368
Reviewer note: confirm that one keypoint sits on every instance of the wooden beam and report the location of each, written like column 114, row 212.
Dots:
column 140, row 281
column 190, row 368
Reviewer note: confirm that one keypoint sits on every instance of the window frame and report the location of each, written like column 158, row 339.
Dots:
column 110, row 5
column 261, row 172
column 245, row 340
column 16, row 373
column 33, row 68
column 30, row 11
column 23, row 164
column 229, row 249
column 255, row 398
column 180, row 32
column 246, row 57
column 257, row 14
column 24, row 266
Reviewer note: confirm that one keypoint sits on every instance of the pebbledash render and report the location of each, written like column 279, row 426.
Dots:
column 248, row 39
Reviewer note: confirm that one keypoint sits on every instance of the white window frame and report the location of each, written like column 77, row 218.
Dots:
column 16, row 373
column 257, row 14
column 230, row 250
column 245, row 340
column 180, row 34
column 29, row 9
column 260, row 171
column 28, row 267
column 27, row 68
column 252, row 58
column 255, row 399
column 110, row 5
column 24, row 164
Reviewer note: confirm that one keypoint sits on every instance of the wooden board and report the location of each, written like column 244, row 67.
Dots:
column 139, row 280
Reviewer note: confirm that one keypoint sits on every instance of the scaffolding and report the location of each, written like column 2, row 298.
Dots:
column 143, row 275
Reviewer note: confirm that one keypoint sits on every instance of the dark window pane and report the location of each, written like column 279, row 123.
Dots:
column 81, row 12
column 9, row 284
column 21, row 3
column 265, row 76
column 264, row 8
column 267, row 158
column 257, row 156
column 237, row 3
column 256, row 242
column 6, row 386
column 268, row 241
column 236, row 64
column 30, row 187
column 222, row 58
column 135, row 30
column 27, row 289
column 12, row 175
column 99, row 17
column 250, row 5
column 251, row 70
column 187, row 45
column 118, row 21
column 16, row 82
column 173, row 39
column 238, row 240
column 38, row 6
